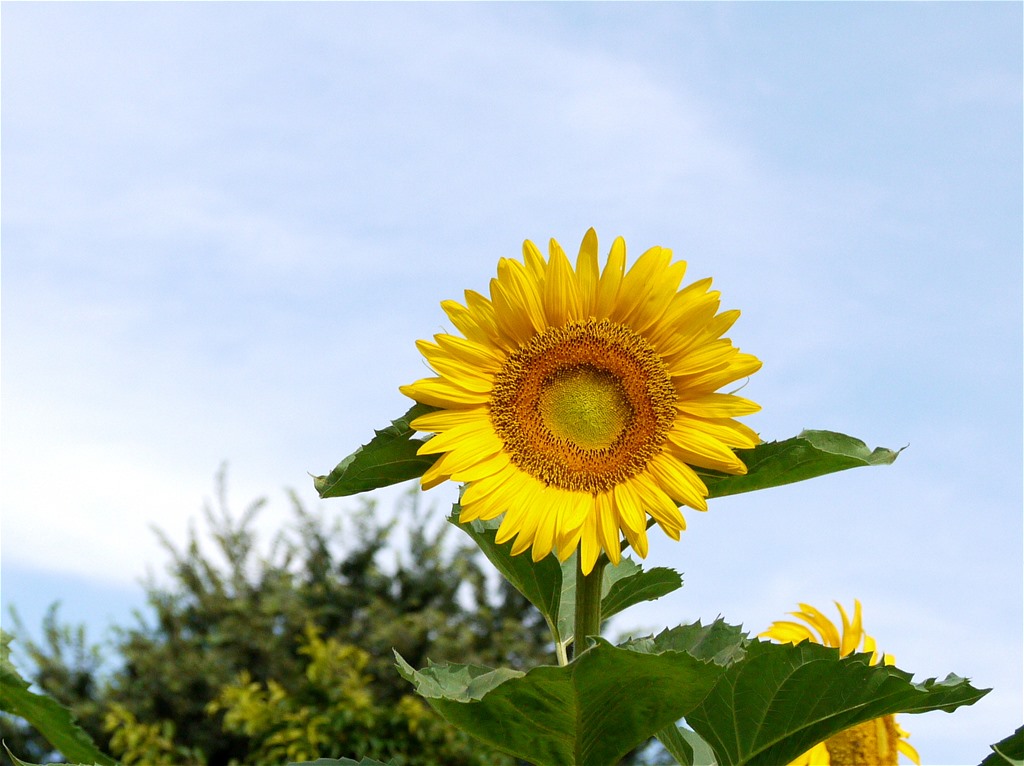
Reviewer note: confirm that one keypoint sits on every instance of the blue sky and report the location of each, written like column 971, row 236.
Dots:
column 225, row 225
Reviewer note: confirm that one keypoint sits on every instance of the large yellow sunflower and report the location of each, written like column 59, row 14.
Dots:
column 873, row 743
column 577, row 400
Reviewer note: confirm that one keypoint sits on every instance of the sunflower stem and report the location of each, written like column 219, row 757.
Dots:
column 588, row 605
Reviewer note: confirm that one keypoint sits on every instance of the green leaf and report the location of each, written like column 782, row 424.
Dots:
column 629, row 584
column 811, row 454
column 720, row 642
column 49, row 718
column 340, row 762
column 578, row 714
column 18, row 762
column 781, row 699
column 567, row 600
column 751, row 702
column 389, row 458
column 540, row 583
column 1007, row 752
column 551, row 586
column 686, row 747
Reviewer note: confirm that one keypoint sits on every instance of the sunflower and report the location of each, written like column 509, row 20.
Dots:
column 873, row 743
column 576, row 402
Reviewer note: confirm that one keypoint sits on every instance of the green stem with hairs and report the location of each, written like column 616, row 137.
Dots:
column 588, row 604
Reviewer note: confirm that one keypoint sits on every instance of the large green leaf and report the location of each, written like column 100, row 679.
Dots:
column 720, row 642
column 540, row 582
column 751, row 702
column 389, row 458
column 551, row 587
column 811, row 454
column 781, row 699
column 49, row 718
column 628, row 584
column 686, row 746
column 580, row 713
column 1007, row 752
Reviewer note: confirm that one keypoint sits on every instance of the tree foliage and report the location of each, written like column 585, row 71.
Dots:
column 261, row 654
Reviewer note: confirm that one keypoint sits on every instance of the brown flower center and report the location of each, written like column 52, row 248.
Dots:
column 873, row 743
column 584, row 406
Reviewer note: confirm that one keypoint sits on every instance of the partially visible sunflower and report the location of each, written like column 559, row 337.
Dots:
column 577, row 399
column 873, row 743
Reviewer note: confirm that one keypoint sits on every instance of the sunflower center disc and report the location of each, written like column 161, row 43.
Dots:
column 584, row 406
column 872, row 742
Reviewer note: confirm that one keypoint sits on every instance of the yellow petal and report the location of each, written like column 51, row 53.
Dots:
column 490, row 499
column 659, row 506
column 455, row 370
column 588, row 274
column 467, row 323
column 908, row 750
column 485, row 315
column 523, row 288
column 684, row 322
column 846, row 634
column 638, row 282
column 717, row 406
column 825, row 627
column 736, row 367
column 628, row 506
column 439, row 392
column 548, row 510
column 525, row 537
column 485, row 467
column 579, row 505
column 652, row 292
column 695, row 447
column 561, row 289
column 520, row 518
column 851, row 633
column 590, row 546
column 465, row 459
column 637, row 541
column 484, row 357
column 434, row 475
column 678, row 481
column 568, row 537
column 534, row 261
column 721, row 324
column 524, row 519
column 702, row 358
column 524, row 534
column 513, row 320
column 448, row 464
column 444, row 420
column 475, row 436
column 872, row 648
column 608, row 527
column 483, row 487
column 789, row 632
column 816, row 756
column 611, row 279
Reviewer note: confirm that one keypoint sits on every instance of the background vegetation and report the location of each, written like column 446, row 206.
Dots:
column 264, row 654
